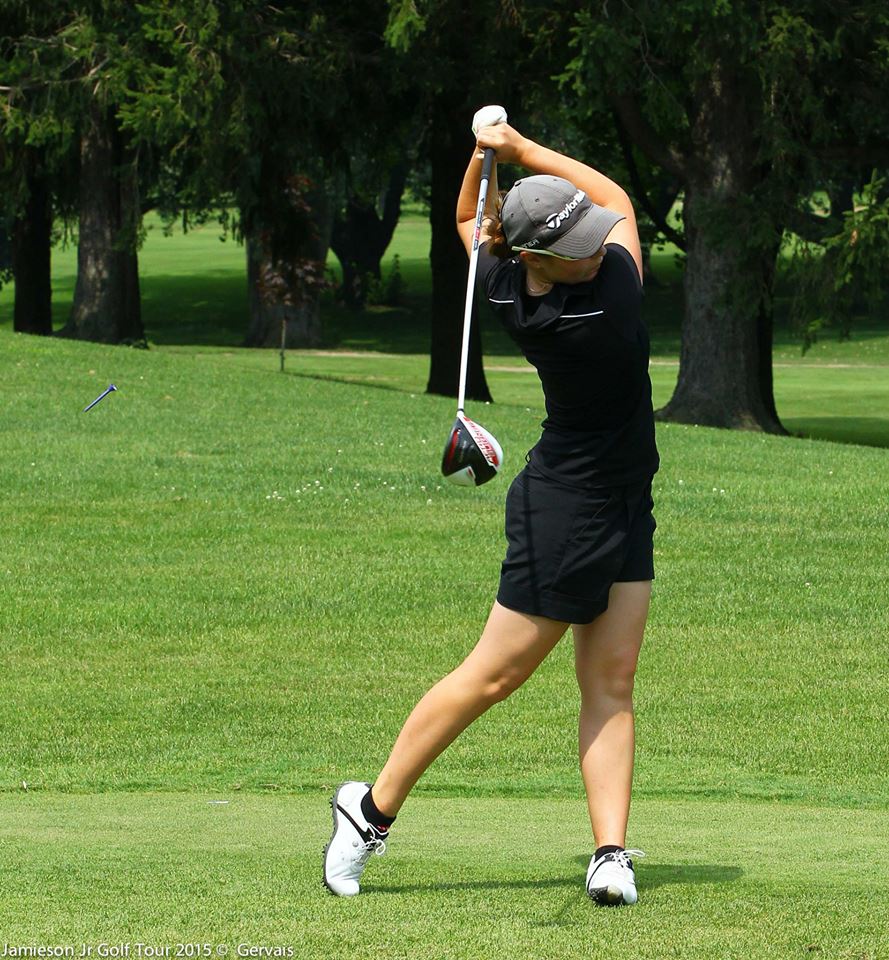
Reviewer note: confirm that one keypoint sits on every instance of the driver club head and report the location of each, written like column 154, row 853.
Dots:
column 472, row 456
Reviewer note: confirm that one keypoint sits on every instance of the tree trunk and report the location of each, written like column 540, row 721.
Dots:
column 131, row 219
column 285, row 268
column 31, row 244
column 725, row 363
column 302, row 319
column 449, row 150
column 765, row 334
column 106, row 304
column 361, row 236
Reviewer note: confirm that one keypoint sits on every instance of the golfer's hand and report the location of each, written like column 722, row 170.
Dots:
column 507, row 141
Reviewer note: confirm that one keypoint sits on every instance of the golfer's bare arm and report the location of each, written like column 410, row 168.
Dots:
column 467, row 201
column 512, row 147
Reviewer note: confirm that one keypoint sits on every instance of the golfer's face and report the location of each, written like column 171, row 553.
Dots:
column 573, row 271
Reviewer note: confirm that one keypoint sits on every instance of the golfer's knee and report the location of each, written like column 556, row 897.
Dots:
column 619, row 686
column 487, row 687
column 499, row 687
column 614, row 681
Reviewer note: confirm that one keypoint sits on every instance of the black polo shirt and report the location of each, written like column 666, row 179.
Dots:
column 591, row 351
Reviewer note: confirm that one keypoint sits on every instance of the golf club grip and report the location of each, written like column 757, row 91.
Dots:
column 488, row 163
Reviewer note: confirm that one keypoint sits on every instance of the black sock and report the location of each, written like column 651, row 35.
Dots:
column 608, row 848
column 374, row 817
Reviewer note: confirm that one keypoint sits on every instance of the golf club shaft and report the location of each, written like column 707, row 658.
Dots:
column 487, row 165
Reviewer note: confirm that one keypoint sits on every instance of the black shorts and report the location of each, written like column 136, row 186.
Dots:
column 567, row 545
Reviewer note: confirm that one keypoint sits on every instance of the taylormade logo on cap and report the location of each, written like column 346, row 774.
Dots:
column 549, row 213
column 554, row 220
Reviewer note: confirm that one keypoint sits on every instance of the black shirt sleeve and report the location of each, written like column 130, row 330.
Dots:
column 621, row 291
column 487, row 271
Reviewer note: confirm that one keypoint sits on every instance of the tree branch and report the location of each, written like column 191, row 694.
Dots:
column 870, row 153
column 392, row 198
column 666, row 155
column 811, row 227
column 641, row 193
column 816, row 228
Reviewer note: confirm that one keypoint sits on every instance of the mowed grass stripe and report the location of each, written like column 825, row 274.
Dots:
column 464, row 878
column 224, row 577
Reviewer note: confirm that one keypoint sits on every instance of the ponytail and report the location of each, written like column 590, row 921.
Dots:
column 498, row 245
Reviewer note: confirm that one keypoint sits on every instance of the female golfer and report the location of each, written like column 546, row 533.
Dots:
column 578, row 517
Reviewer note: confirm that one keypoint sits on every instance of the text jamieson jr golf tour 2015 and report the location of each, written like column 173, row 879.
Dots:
column 138, row 950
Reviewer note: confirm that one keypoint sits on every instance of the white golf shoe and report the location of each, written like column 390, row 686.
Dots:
column 353, row 843
column 611, row 880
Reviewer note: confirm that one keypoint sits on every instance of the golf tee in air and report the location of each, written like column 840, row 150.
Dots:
column 101, row 396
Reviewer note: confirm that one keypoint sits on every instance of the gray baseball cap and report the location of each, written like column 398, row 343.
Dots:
column 545, row 214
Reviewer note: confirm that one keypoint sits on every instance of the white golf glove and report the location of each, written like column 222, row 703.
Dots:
column 487, row 117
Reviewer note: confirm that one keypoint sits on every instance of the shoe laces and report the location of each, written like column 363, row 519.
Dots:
column 623, row 857
column 375, row 846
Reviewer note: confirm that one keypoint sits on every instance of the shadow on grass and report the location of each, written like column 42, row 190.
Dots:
column 654, row 875
column 356, row 380
column 651, row 876
column 437, row 888
column 670, row 874
column 864, row 431
column 208, row 309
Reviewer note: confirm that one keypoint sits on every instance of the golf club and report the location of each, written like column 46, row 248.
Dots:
column 472, row 455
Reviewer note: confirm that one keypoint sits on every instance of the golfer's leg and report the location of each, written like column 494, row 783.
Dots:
column 606, row 653
column 511, row 648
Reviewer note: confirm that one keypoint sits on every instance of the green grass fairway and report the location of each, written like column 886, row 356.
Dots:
column 225, row 583
column 194, row 293
column 465, row 878
column 833, row 400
